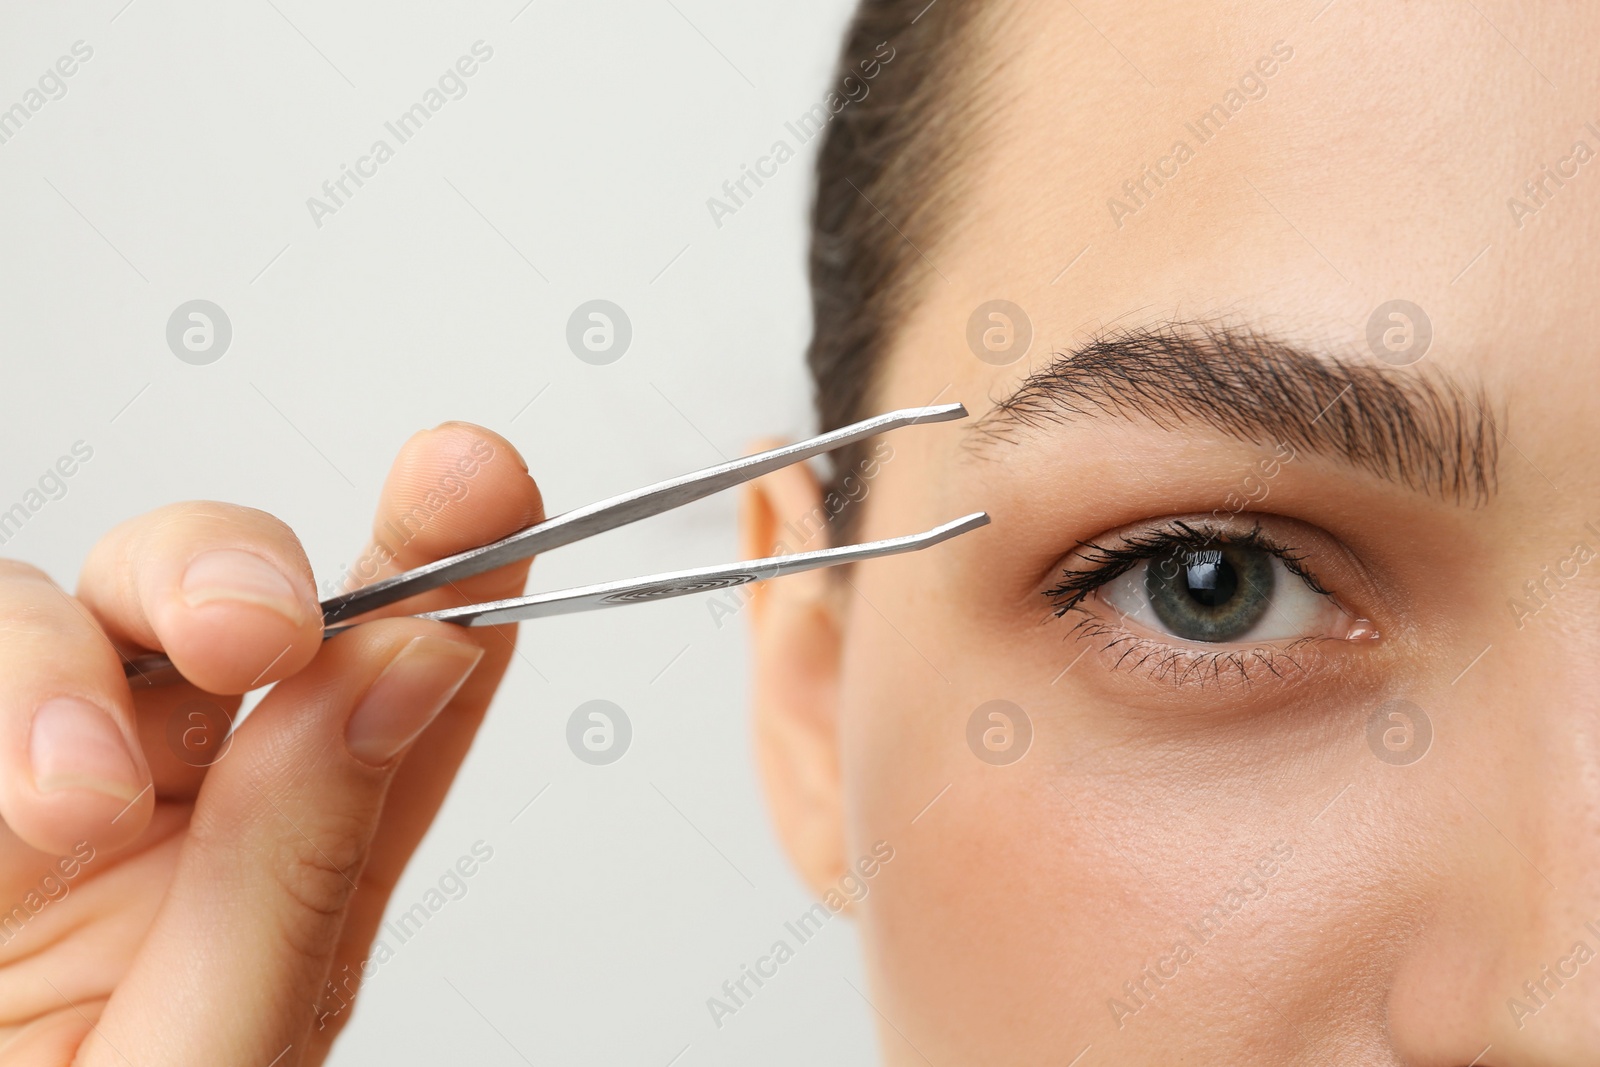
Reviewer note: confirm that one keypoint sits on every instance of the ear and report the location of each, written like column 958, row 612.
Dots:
column 795, row 630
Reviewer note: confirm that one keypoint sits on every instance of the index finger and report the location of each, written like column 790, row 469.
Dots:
column 225, row 591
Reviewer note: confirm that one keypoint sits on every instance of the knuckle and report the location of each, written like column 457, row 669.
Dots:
column 317, row 871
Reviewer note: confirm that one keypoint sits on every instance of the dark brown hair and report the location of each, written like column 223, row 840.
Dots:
column 887, row 177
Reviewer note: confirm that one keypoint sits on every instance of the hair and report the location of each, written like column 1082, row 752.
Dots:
column 889, row 173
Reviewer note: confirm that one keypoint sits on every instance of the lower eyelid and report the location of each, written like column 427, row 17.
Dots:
column 1180, row 664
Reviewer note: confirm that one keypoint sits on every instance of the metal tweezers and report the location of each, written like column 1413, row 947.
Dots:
column 580, row 523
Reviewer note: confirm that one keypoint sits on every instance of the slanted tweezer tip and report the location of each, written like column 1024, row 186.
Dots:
column 967, row 522
column 938, row 412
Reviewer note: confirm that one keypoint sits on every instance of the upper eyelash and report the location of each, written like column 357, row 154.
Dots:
column 1110, row 562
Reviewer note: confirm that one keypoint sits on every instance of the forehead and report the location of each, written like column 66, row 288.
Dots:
column 1256, row 163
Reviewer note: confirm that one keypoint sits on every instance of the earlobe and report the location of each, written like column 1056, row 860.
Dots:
column 795, row 634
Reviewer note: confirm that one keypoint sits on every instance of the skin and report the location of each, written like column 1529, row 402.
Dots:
column 1406, row 904
column 229, row 893
column 1416, row 898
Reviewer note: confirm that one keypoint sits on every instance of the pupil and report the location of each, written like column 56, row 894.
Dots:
column 1212, row 582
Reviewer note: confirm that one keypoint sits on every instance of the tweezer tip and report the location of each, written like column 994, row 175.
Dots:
column 936, row 412
column 956, row 527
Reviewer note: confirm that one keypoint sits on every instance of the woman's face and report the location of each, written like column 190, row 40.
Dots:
column 1300, row 762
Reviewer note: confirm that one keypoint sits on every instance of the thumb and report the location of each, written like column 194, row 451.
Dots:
column 238, row 954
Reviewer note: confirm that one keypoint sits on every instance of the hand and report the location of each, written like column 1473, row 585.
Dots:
column 155, row 912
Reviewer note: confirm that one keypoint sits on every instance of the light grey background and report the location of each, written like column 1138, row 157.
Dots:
column 177, row 167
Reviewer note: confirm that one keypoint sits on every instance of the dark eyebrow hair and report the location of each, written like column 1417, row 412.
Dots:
column 1416, row 428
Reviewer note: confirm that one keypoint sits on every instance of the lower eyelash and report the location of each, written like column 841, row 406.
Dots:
column 1182, row 665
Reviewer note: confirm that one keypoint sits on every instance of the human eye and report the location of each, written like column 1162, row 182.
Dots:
column 1192, row 600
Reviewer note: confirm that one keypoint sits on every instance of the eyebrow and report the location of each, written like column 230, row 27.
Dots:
column 1419, row 429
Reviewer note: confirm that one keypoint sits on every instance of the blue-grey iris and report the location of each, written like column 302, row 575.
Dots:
column 1211, row 594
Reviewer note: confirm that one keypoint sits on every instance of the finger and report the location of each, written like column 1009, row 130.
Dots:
column 451, row 488
column 499, row 498
column 226, row 592
column 280, row 833
column 420, row 785
column 70, row 765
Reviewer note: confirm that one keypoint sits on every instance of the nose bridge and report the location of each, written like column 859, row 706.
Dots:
column 1539, row 809
column 1509, row 954
column 1558, row 710
column 1555, row 988
column 1572, row 806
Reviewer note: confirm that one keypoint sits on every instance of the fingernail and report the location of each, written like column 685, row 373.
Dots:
column 229, row 574
column 76, row 745
column 408, row 695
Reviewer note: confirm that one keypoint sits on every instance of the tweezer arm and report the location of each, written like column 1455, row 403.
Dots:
column 683, row 583
column 155, row 669
column 603, row 515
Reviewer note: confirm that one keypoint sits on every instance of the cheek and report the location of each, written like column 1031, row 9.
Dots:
column 1029, row 913
column 975, row 935
column 994, row 894
column 1107, row 886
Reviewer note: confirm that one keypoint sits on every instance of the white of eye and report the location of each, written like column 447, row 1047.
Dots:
column 1295, row 610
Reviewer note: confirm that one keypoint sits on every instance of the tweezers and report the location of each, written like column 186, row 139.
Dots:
column 584, row 522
